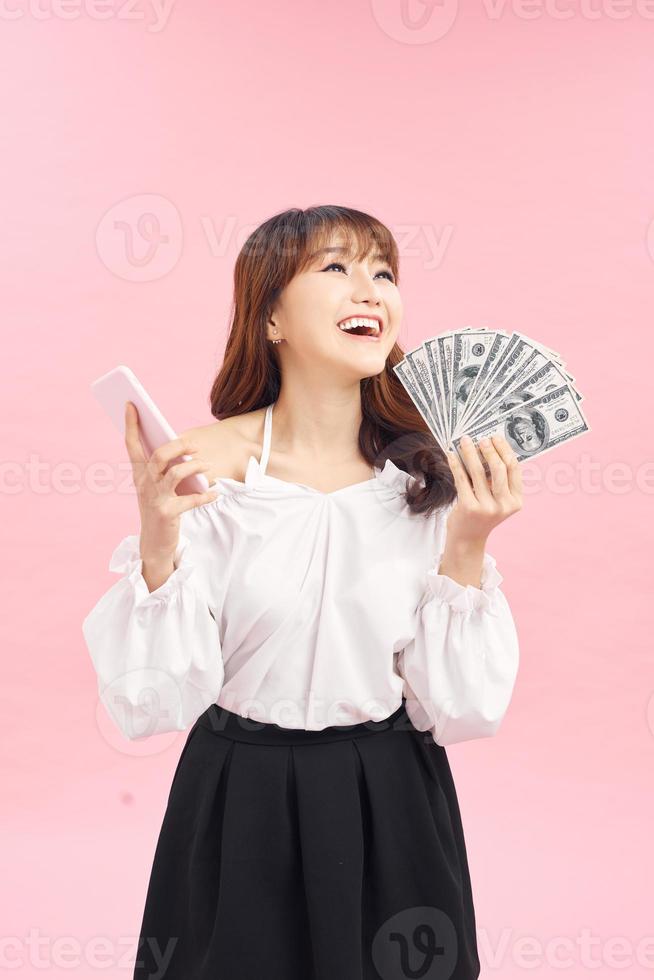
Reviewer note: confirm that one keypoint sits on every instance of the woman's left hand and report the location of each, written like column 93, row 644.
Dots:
column 484, row 502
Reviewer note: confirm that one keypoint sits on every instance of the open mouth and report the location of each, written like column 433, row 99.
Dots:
column 362, row 327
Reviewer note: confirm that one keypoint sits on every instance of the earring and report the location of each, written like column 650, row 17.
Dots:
column 276, row 341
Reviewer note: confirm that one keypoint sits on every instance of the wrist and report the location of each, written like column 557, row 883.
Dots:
column 156, row 571
column 157, row 565
column 464, row 548
column 462, row 561
column 158, row 561
column 156, row 556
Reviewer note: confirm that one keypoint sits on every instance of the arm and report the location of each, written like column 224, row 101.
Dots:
column 157, row 655
column 462, row 664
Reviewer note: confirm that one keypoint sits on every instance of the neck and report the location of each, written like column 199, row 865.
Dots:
column 318, row 426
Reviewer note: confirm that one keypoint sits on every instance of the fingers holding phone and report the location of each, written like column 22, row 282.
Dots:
column 156, row 478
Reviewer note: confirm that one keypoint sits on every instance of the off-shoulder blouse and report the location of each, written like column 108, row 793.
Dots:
column 305, row 609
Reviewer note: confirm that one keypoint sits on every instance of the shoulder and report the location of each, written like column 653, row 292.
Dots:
column 226, row 445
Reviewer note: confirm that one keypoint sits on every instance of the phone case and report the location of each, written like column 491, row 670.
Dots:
column 121, row 385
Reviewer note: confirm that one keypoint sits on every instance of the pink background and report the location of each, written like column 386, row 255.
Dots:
column 517, row 139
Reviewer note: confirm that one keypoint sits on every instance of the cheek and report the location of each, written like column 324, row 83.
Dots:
column 394, row 304
column 315, row 337
column 396, row 312
column 311, row 314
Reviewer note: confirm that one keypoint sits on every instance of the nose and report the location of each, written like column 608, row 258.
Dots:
column 365, row 289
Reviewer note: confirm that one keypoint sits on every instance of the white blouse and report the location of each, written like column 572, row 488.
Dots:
column 305, row 609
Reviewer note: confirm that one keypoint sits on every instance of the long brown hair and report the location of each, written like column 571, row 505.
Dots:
column 250, row 376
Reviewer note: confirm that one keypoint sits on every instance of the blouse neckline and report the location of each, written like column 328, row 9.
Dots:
column 256, row 476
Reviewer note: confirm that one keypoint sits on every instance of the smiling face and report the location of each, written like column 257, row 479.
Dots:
column 335, row 286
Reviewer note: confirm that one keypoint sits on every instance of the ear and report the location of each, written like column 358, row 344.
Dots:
column 272, row 327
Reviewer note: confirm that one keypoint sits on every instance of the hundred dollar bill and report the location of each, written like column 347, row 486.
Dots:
column 534, row 427
column 403, row 370
column 440, row 351
column 552, row 353
column 435, row 369
column 444, row 344
column 505, row 382
column 419, row 364
column 494, row 357
column 509, row 361
column 538, row 376
column 470, row 350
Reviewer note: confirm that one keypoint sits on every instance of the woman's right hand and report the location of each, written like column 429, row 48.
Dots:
column 155, row 481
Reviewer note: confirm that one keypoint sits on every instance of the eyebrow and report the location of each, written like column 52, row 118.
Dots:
column 339, row 249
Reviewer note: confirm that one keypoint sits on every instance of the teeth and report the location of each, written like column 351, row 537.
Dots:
column 360, row 321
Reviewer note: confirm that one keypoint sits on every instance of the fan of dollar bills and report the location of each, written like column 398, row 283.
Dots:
column 477, row 381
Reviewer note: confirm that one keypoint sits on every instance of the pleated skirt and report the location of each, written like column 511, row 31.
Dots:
column 287, row 854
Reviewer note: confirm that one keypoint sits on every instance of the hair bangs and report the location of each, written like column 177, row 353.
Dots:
column 359, row 234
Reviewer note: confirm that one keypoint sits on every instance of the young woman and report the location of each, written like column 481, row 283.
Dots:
column 327, row 619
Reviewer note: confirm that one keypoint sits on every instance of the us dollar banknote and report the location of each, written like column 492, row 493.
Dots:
column 534, row 426
column 478, row 380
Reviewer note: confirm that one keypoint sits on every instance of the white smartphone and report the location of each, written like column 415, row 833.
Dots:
column 121, row 385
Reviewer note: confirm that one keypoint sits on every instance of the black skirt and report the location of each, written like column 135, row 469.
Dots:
column 287, row 854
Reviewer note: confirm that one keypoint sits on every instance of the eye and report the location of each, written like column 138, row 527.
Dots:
column 383, row 272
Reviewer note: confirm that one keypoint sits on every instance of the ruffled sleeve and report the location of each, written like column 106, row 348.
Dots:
column 157, row 655
column 460, row 668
